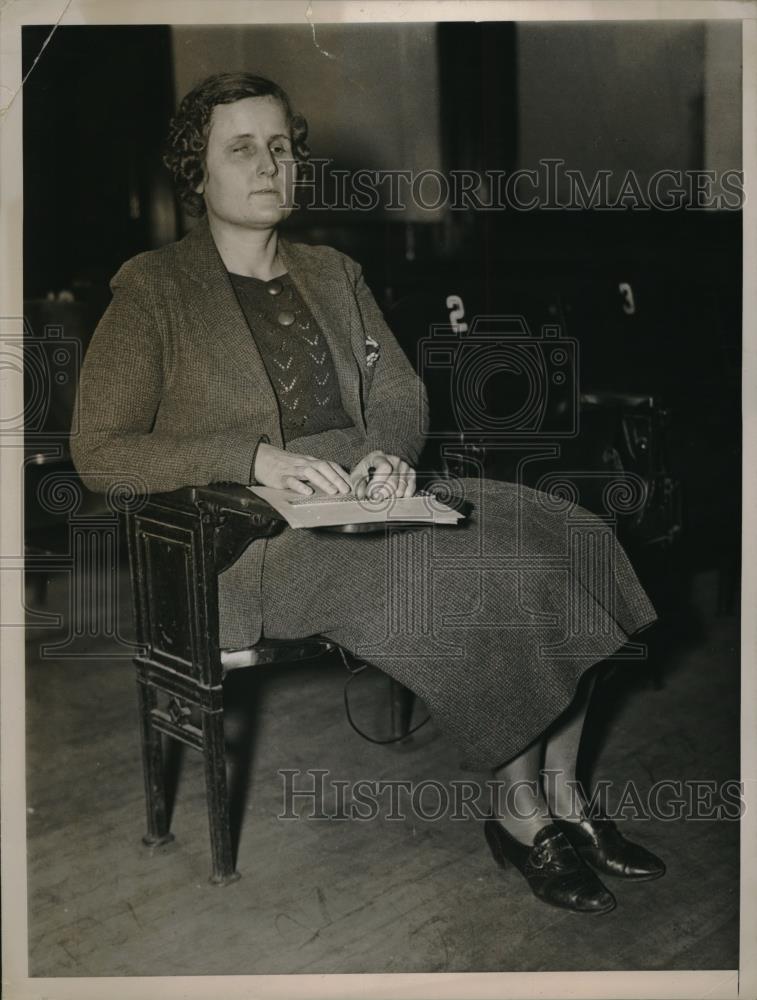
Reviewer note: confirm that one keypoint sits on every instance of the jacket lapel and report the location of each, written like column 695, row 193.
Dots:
column 217, row 307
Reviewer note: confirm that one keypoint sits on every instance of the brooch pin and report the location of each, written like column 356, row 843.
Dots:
column 372, row 351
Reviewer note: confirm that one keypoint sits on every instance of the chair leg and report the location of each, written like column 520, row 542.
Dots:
column 218, row 799
column 152, row 763
column 401, row 705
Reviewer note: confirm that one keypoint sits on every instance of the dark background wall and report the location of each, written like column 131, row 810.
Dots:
column 95, row 111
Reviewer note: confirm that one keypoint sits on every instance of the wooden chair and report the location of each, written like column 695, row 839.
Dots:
column 178, row 544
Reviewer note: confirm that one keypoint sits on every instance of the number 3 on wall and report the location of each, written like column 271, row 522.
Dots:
column 629, row 304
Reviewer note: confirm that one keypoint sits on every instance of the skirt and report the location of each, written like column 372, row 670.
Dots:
column 491, row 622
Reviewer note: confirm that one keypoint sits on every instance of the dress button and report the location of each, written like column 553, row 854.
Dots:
column 285, row 317
column 275, row 287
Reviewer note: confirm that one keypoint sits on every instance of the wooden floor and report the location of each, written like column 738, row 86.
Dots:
column 340, row 896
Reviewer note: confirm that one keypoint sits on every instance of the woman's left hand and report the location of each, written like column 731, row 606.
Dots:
column 379, row 475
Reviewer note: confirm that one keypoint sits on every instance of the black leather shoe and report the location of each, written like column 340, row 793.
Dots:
column 599, row 842
column 552, row 868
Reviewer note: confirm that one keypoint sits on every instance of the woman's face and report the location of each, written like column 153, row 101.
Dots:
column 249, row 166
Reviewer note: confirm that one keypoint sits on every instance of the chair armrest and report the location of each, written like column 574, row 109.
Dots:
column 610, row 398
column 179, row 542
column 233, row 513
column 229, row 496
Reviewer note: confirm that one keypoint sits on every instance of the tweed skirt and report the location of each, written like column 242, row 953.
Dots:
column 491, row 622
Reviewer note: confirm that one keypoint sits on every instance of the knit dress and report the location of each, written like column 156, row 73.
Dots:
column 491, row 622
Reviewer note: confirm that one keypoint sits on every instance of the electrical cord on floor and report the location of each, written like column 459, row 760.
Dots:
column 353, row 672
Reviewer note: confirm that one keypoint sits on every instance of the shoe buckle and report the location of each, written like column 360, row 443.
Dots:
column 541, row 856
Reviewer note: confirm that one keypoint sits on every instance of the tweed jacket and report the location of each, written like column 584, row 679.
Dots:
column 173, row 391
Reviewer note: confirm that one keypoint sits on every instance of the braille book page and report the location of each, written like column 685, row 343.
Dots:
column 321, row 510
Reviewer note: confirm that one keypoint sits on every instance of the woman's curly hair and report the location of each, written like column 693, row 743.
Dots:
column 187, row 140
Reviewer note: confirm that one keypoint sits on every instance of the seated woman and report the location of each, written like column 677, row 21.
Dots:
column 235, row 355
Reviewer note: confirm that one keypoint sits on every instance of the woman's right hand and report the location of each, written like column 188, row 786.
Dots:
column 287, row 470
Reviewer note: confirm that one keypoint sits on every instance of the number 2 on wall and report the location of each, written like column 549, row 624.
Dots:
column 456, row 313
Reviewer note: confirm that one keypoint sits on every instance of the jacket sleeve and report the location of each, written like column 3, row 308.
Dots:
column 344, row 445
column 396, row 407
column 120, row 385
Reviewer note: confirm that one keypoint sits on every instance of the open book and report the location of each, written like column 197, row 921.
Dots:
column 321, row 510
